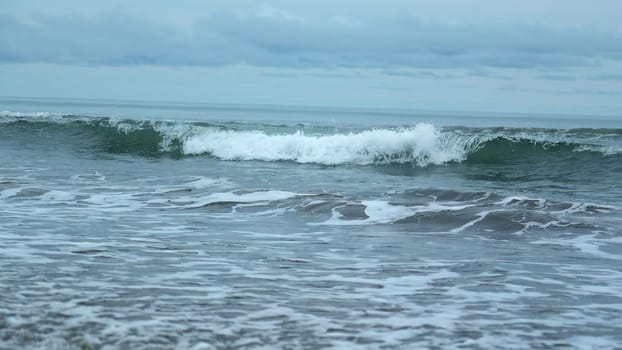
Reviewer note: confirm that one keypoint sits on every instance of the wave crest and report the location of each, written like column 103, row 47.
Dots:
column 422, row 144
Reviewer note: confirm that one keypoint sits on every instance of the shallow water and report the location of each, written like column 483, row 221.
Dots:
column 192, row 227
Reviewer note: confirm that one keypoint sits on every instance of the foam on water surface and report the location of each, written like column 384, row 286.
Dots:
column 152, row 234
column 422, row 144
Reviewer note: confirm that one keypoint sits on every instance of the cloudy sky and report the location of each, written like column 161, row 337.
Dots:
column 548, row 56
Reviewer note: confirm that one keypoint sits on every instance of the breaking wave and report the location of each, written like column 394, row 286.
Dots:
column 421, row 145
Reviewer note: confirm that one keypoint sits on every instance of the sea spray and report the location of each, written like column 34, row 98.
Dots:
column 422, row 144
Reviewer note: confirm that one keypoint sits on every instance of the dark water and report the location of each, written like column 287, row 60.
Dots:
column 138, row 226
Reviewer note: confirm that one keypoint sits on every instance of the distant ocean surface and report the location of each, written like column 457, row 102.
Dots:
column 137, row 225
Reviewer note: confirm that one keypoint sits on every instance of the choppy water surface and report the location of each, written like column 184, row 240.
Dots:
column 217, row 233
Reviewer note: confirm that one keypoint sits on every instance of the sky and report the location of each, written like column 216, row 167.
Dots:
column 546, row 56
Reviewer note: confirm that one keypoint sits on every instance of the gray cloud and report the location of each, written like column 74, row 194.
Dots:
column 556, row 77
column 275, row 38
column 574, row 77
column 606, row 77
column 279, row 75
column 480, row 72
column 417, row 74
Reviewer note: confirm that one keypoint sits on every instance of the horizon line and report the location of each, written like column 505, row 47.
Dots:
column 267, row 106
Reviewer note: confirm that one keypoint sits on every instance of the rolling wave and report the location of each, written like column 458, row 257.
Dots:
column 421, row 145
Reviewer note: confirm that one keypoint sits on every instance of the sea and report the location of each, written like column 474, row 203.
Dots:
column 170, row 225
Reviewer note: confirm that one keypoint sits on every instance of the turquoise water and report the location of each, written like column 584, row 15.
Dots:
column 142, row 225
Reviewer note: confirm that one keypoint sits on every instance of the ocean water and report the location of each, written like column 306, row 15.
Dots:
column 134, row 225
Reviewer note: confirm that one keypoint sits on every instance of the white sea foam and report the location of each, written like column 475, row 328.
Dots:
column 422, row 144
column 25, row 114
column 605, row 150
column 588, row 244
column 202, row 182
column 230, row 197
column 60, row 196
column 520, row 199
column 10, row 192
column 480, row 216
column 382, row 212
